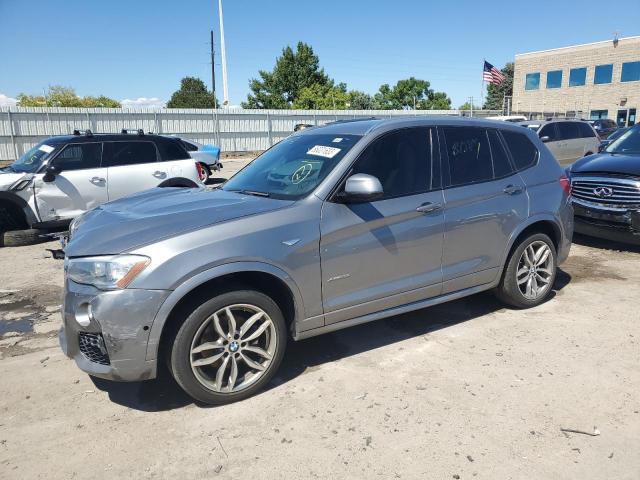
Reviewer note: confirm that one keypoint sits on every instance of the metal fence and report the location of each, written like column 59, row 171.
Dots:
column 232, row 130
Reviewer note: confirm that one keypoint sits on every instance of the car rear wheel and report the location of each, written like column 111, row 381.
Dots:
column 21, row 238
column 528, row 279
column 229, row 347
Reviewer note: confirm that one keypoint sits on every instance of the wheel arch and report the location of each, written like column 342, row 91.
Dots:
column 178, row 182
column 546, row 224
column 262, row 277
column 21, row 205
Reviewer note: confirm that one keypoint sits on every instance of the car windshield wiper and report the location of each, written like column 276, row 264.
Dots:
column 251, row 192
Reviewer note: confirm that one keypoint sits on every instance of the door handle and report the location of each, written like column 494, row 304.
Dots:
column 97, row 180
column 512, row 189
column 159, row 174
column 429, row 207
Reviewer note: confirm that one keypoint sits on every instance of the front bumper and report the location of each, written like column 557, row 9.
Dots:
column 617, row 225
column 122, row 318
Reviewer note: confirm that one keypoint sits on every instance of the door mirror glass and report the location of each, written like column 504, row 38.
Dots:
column 362, row 188
column 545, row 139
column 50, row 173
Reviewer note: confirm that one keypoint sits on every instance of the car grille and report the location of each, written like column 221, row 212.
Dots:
column 619, row 193
column 92, row 347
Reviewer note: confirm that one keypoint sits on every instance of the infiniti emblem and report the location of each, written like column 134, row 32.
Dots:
column 603, row 192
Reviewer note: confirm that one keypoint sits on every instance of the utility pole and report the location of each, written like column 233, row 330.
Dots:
column 213, row 73
column 225, row 87
column 471, row 103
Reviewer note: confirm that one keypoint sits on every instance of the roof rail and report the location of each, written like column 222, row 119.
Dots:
column 139, row 131
column 353, row 120
column 87, row 132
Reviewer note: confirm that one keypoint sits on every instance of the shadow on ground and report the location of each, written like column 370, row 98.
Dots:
column 164, row 394
column 604, row 244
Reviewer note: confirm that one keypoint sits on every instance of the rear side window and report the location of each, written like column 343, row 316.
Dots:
column 402, row 161
column 501, row 165
column 469, row 155
column 79, row 156
column 190, row 147
column 523, row 152
column 129, row 153
column 172, row 150
column 586, row 131
column 569, row 130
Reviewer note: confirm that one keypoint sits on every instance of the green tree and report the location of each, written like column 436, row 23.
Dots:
column 360, row 101
column 467, row 106
column 193, row 93
column 496, row 93
column 59, row 96
column 322, row 97
column 411, row 93
column 292, row 72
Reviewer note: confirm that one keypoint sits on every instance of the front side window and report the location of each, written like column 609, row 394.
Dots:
column 568, row 130
column 129, row 153
column 554, row 79
column 523, row 152
column 79, row 156
column 577, row 77
column 292, row 168
column 630, row 72
column 30, row 161
column 549, row 130
column 469, row 155
column 532, row 81
column 402, row 161
column 603, row 74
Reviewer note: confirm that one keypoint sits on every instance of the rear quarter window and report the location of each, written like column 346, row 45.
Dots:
column 523, row 152
column 586, row 131
column 172, row 150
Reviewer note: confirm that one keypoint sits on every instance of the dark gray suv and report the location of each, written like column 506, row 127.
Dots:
column 332, row 227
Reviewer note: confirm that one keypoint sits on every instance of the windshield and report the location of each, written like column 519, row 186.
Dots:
column 31, row 160
column 294, row 167
column 628, row 142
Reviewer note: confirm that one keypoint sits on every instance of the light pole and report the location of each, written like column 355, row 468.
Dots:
column 223, row 53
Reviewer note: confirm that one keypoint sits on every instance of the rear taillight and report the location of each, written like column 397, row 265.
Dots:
column 565, row 183
column 201, row 175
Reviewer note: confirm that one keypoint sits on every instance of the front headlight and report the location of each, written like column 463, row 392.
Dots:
column 106, row 272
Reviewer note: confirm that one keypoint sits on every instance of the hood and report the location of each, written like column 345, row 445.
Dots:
column 157, row 214
column 8, row 178
column 608, row 163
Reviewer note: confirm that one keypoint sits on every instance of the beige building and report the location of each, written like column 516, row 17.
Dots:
column 595, row 80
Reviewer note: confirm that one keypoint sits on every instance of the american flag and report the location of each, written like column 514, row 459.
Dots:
column 491, row 74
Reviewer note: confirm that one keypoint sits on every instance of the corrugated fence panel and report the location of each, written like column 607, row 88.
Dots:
column 232, row 130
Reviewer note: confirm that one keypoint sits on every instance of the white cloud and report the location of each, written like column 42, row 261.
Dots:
column 142, row 102
column 7, row 101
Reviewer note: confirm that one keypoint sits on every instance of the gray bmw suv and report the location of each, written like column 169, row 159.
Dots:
column 332, row 227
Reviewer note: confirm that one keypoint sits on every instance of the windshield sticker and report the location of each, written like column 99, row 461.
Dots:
column 301, row 173
column 46, row 148
column 336, row 140
column 322, row 151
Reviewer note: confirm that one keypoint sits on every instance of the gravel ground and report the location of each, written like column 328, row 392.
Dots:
column 465, row 390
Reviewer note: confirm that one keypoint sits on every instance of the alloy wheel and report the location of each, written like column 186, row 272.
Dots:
column 535, row 270
column 233, row 348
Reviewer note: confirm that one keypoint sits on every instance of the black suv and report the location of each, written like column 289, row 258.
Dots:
column 604, row 127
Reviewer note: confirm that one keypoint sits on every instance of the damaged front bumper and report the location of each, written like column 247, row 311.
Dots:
column 106, row 332
column 621, row 225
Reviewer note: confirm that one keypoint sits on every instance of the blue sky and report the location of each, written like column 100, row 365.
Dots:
column 141, row 48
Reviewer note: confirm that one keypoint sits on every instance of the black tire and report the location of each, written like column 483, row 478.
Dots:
column 180, row 350
column 21, row 238
column 508, row 290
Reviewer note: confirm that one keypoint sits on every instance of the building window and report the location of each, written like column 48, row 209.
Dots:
column 577, row 77
column 554, row 79
column 532, row 82
column 630, row 72
column 603, row 74
column 598, row 114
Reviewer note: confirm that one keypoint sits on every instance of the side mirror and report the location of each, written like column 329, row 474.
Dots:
column 361, row 188
column 545, row 139
column 50, row 173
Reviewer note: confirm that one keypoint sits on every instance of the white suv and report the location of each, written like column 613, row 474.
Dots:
column 64, row 176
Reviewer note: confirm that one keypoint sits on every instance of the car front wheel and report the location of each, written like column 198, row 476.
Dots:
column 528, row 278
column 229, row 347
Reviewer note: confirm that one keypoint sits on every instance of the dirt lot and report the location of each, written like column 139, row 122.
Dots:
column 463, row 390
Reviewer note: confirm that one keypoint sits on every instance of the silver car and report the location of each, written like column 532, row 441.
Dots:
column 332, row 227
column 568, row 140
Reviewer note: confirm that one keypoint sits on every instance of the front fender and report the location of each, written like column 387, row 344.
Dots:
column 235, row 267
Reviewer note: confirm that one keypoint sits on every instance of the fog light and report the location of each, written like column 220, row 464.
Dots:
column 84, row 314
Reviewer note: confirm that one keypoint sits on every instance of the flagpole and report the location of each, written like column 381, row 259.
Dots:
column 482, row 87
